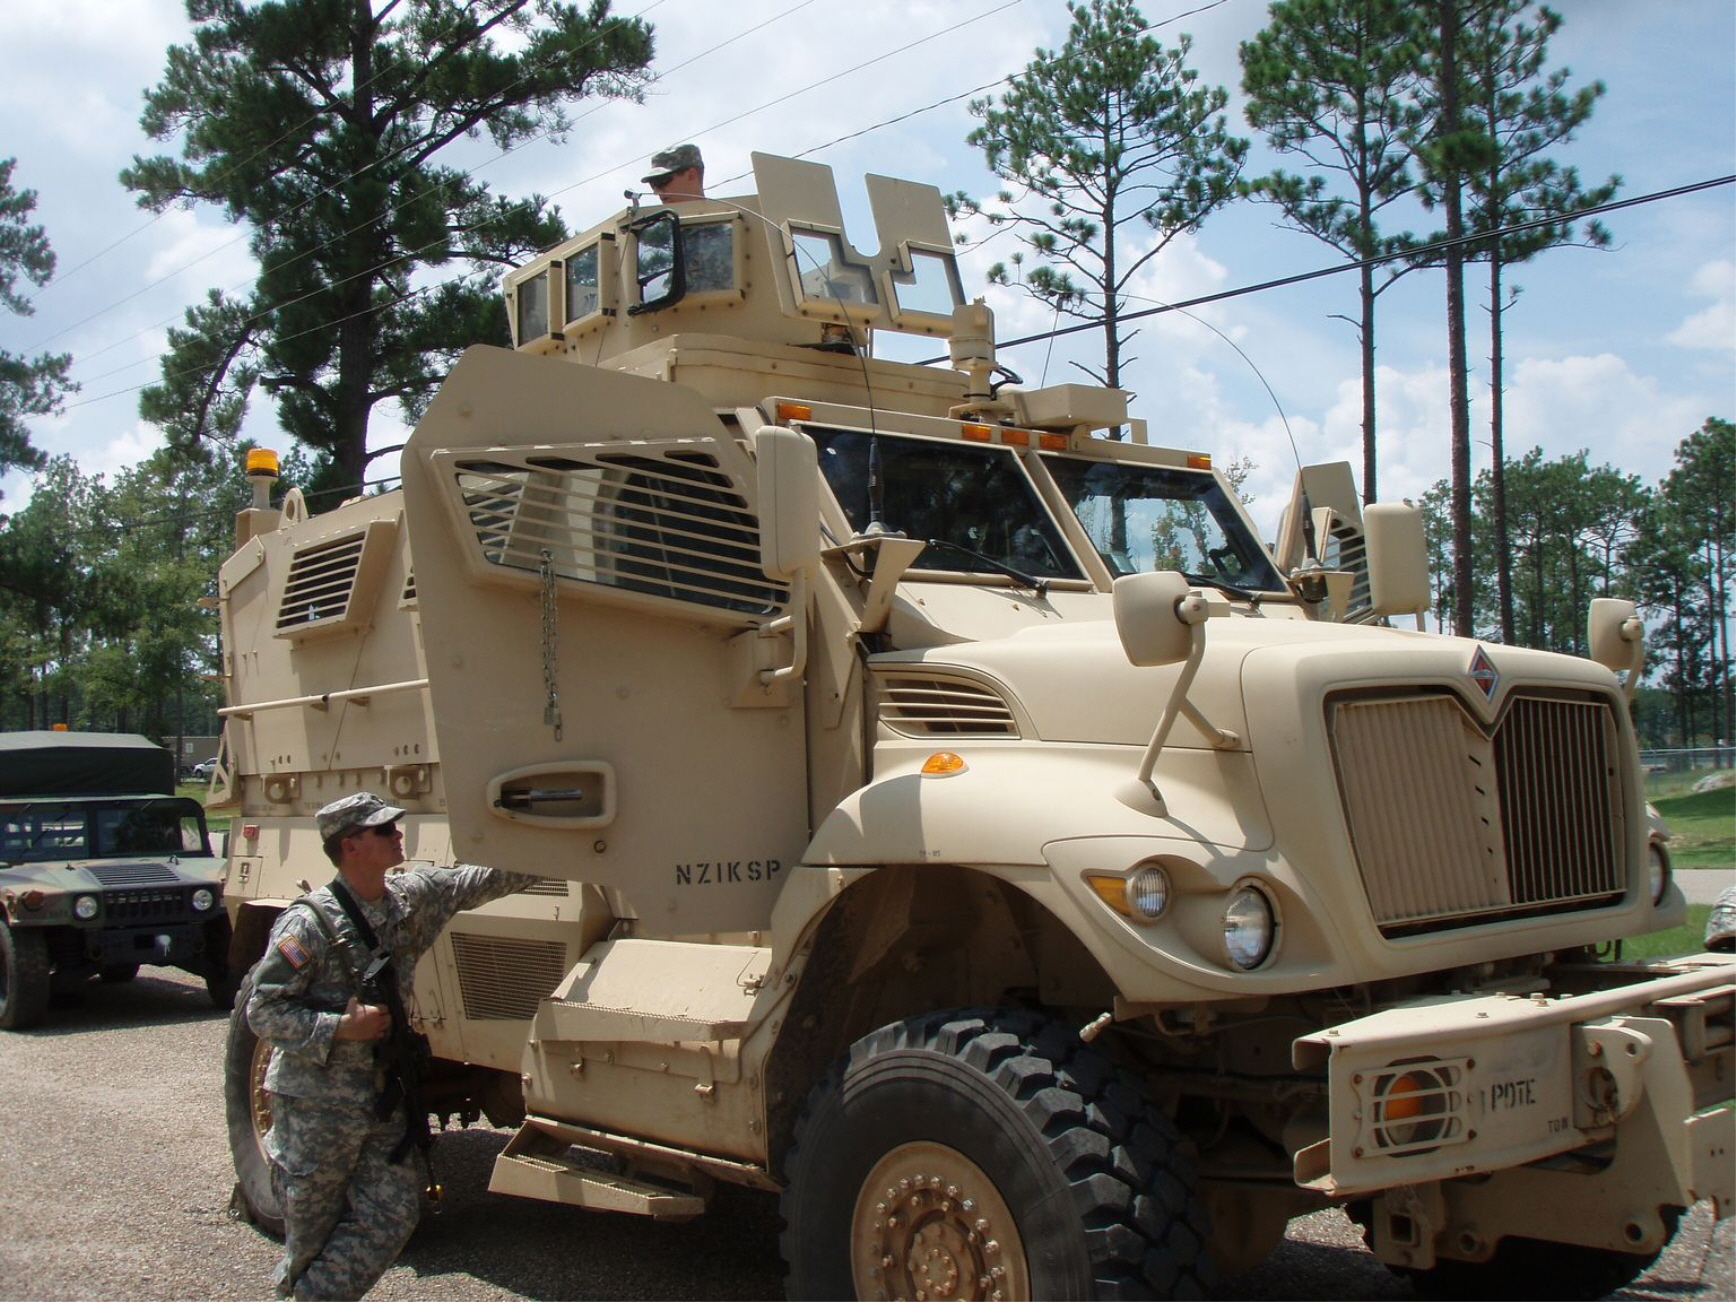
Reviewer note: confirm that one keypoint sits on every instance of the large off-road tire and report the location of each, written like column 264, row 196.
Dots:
column 247, row 1108
column 118, row 974
column 24, row 977
column 220, row 982
column 978, row 1153
column 1532, row 1269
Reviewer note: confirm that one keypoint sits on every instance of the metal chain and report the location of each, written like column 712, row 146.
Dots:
column 550, row 631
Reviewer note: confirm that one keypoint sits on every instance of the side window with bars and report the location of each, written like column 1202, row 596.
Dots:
column 665, row 522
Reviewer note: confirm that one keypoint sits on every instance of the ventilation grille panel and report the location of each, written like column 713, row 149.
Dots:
column 333, row 583
column 500, row 979
column 133, row 874
column 665, row 522
column 920, row 706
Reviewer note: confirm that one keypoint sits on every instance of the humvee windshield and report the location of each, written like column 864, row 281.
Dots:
column 46, row 830
column 1142, row 518
column 970, row 498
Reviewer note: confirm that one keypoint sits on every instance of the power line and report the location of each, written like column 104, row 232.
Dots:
column 1418, row 251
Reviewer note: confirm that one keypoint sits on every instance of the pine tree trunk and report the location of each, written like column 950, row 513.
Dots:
column 1457, row 373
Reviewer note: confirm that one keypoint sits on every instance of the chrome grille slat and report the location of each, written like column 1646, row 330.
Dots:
column 1453, row 824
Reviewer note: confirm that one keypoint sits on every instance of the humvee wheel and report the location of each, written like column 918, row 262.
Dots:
column 987, row 1154
column 116, row 974
column 247, row 1109
column 24, row 980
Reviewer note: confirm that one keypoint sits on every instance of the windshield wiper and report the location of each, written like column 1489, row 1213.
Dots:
column 1252, row 598
column 1036, row 585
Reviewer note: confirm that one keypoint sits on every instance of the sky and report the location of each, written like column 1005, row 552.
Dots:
column 1621, row 352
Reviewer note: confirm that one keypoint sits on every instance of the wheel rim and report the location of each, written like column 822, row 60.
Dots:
column 929, row 1225
column 258, row 1100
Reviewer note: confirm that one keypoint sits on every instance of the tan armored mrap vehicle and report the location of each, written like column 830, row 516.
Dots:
column 958, row 820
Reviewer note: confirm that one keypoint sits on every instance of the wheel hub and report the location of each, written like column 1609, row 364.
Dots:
column 930, row 1226
column 259, row 1098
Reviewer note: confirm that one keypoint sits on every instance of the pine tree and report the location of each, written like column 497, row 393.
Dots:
column 29, row 386
column 1106, row 133
column 1334, row 81
column 320, row 124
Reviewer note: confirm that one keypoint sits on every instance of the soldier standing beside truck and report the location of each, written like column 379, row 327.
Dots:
column 344, row 1107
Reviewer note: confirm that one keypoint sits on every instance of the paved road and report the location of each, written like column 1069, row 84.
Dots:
column 1701, row 885
column 114, row 1179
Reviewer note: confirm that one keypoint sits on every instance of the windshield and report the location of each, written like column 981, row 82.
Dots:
column 45, row 831
column 969, row 498
column 1143, row 518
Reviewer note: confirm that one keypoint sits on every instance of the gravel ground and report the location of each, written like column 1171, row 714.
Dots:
column 115, row 1180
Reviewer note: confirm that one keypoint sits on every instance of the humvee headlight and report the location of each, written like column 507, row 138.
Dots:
column 1248, row 928
column 1658, row 860
column 203, row 899
column 85, row 907
column 1148, row 893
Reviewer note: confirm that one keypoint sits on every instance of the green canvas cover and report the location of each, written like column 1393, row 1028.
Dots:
column 83, row 764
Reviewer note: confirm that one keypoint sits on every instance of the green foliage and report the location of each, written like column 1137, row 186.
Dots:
column 29, row 386
column 1578, row 531
column 1108, row 131
column 320, row 124
column 99, row 609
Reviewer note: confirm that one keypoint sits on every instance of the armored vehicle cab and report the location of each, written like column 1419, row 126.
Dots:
column 955, row 818
column 102, row 868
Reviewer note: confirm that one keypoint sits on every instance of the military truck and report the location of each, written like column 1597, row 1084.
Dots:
column 102, row 868
column 953, row 817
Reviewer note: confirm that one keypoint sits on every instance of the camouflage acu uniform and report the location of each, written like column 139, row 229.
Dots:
column 348, row 1209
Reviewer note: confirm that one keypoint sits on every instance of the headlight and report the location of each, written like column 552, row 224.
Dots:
column 85, row 907
column 1148, row 893
column 203, row 899
column 1248, row 928
column 1658, row 860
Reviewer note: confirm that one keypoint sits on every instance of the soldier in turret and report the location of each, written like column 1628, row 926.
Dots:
column 348, row 1136
column 677, row 174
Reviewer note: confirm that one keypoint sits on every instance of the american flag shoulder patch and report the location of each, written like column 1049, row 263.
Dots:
column 293, row 953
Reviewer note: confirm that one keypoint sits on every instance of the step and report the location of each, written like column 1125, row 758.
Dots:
column 536, row 1165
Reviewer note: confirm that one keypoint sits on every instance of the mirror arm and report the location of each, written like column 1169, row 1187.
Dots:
column 795, row 623
column 1193, row 611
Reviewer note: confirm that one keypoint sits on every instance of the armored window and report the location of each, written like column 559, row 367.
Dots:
column 708, row 253
column 1142, row 518
column 533, row 309
column 823, row 273
column 973, row 504
column 582, row 283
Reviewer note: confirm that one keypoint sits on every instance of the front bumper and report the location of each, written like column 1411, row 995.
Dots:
column 1623, row 1083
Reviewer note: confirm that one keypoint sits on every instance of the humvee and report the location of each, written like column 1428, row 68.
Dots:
column 102, row 868
column 957, row 820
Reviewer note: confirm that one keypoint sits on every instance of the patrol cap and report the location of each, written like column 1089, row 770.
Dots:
column 353, row 813
column 671, row 161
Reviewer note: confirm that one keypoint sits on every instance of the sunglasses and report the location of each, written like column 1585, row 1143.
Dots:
column 384, row 829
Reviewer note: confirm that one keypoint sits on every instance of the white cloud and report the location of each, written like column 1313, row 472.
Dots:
column 1713, row 327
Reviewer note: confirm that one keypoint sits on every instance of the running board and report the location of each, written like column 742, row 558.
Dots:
column 536, row 1164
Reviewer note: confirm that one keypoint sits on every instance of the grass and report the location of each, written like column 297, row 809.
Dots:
column 1702, row 827
column 1685, row 939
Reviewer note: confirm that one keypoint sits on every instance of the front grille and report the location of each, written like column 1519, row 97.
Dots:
column 1453, row 824
column 499, row 979
column 135, row 908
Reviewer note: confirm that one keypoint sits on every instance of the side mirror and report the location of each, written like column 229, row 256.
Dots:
column 660, row 266
column 1398, row 559
column 1613, row 629
column 789, row 501
column 1155, row 616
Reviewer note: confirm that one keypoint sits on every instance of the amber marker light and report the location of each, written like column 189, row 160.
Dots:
column 1111, row 890
column 943, row 764
column 1053, row 442
column 261, row 461
column 1016, row 438
column 794, row 411
column 1199, row 461
column 976, row 433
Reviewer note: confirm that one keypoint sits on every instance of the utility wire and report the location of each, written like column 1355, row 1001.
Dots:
column 1418, row 251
